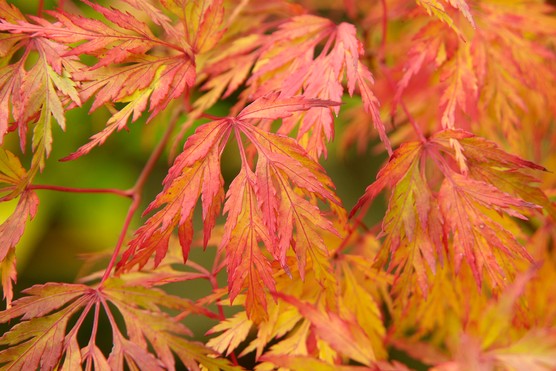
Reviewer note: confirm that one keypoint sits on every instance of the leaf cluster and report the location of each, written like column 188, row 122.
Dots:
column 458, row 94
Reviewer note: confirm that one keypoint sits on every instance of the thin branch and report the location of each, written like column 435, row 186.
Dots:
column 136, row 191
column 358, row 222
column 118, row 192
column 414, row 123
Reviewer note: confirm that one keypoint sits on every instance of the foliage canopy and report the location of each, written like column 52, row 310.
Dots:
column 459, row 94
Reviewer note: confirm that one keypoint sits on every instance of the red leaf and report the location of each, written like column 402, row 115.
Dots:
column 272, row 106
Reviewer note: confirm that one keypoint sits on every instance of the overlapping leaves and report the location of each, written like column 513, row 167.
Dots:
column 270, row 203
column 51, row 317
column 468, row 215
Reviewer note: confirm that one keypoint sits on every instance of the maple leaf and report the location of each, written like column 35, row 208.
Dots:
column 234, row 330
column 412, row 237
column 427, row 48
column 461, row 90
column 467, row 210
column 228, row 64
column 345, row 336
column 286, row 64
column 39, row 339
column 46, row 338
column 227, row 70
column 435, row 8
column 10, row 233
column 9, row 276
column 357, row 301
column 283, row 178
column 13, row 178
column 35, row 94
column 471, row 90
column 152, row 80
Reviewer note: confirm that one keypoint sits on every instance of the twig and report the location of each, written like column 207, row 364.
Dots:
column 136, row 190
column 118, row 192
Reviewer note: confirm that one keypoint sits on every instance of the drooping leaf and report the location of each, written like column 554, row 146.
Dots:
column 11, row 231
column 287, row 65
column 38, row 93
column 345, row 336
column 234, row 331
column 479, row 184
column 436, row 9
column 39, row 339
column 286, row 182
column 196, row 172
column 46, row 336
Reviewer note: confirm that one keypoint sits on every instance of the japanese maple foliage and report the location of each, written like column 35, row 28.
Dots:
column 459, row 95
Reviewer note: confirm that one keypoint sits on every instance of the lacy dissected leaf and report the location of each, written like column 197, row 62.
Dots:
column 497, row 182
column 144, row 80
column 436, row 9
column 152, row 80
column 461, row 89
column 11, row 231
column 287, row 64
column 494, row 77
column 234, row 331
column 13, row 175
column 467, row 212
column 39, row 338
column 247, row 265
column 282, row 168
column 411, row 226
column 357, row 301
column 524, row 77
column 8, row 270
column 196, row 172
column 202, row 21
column 155, row 14
column 536, row 350
column 12, row 228
column 35, row 91
column 492, row 341
column 344, row 336
column 227, row 70
column 478, row 233
column 228, row 64
column 427, row 48
column 147, row 80
column 273, row 206
column 144, row 321
column 46, row 338
column 284, row 323
column 299, row 363
column 472, row 205
column 10, row 75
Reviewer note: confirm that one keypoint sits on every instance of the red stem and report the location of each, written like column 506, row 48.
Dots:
column 382, row 53
column 358, row 222
column 416, row 126
column 118, row 192
column 135, row 193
